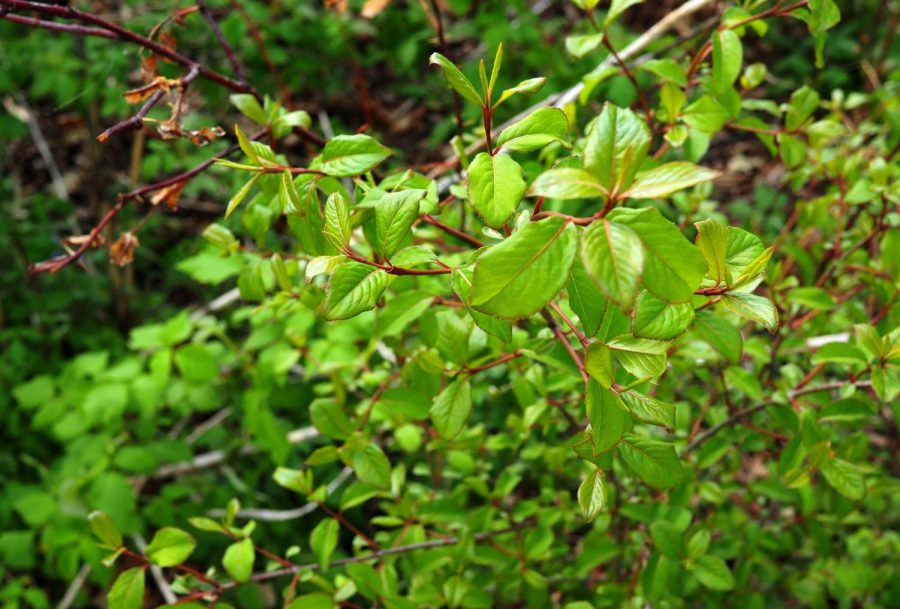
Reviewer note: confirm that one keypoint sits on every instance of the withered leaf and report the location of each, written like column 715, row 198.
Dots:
column 168, row 195
column 201, row 137
column 373, row 7
column 122, row 251
column 167, row 40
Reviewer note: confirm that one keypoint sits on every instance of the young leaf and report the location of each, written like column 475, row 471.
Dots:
column 372, row 466
column 640, row 356
column 351, row 155
column 804, row 102
column 712, row 239
column 238, row 559
column 567, row 183
column 613, row 258
column 598, row 364
column 616, row 8
column 249, row 107
column 727, row 57
column 585, row 298
column 659, row 320
column 451, row 408
column 616, row 147
column 536, row 131
column 713, row 572
column 520, row 275
column 666, row 179
column 706, row 115
column 355, row 287
column 752, row 307
column 579, row 46
column 655, row 462
column 456, row 79
column 592, row 494
column 395, row 214
column 526, row 87
column 667, row 69
column 323, row 540
column 845, row 477
column 241, row 195
column 170, row 547
column 495, row 69
column 299, row 481
column 648, row 409
column 607, row 415
column 337, row 221
column 495, row 187
column 246, row 145
column 105, row 529
column 673, row 266
column 127, row 591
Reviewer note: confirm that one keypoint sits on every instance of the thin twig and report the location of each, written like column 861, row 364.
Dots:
column 165, row 589
column 226, row 48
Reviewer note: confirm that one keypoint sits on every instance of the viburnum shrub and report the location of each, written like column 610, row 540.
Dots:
column 545, row 373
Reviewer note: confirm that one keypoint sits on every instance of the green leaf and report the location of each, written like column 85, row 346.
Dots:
column 495, row 68
column 648, row 409
column 456, row 79
column 567, row 183
column 355, row 287
column 592, row 494
column 323, row 540
column 655, row 462
column 329, row 418
column 104, row 529
column 666, row 179
column 812, row 298
column 520, row 275
column 838, row 353
column 698, row 544
column 170, row 547
column 607, row 415
column 238, row 560
column 127, row 591
column 581, row 45
column 656, row 319
column 249, row 107
column 614, row 259
column 712, row 239
column 706, row 115
column 314, row 600
column 616, row 147
column 451, row 408
column 395, row 214
column 616, row 8
column 240, row 195
column 585, row 298
column 351, row 155
column 845, row 478
column 804, row 102
column 337, row 221
column 792, row 150
column 526, row 87
column 536, row 130
column 667, row 69
column 668, row 539
column 246, row 146
column 462, row 285
column 728, row 54
column 745, row 254
column 372, row 466
column 598, row 364
column 752, row 307
column 713, row 573
column 640, row 356
column 720, row 334
column 673, row 266
column 495, row 186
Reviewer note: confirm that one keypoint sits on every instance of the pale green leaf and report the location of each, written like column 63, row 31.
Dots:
column 104, row 529
column 660, row 320
column 495, row 186
column 617, row 7
column 728, row 54
column 567, row 183
column 323, row 540
column 616, row 147
column 648, row 409
column 614, row 259
column 641, row 357
column 667, row 69
column 372, row 467
column 712, row 239
column 520, row 275
column 752, row 307
column 598, row 364
column 666, row 179
column 240, row 195
column 607, row 415
column 456, row 79
column 127, row 591
column 592, row 494
column 395, row 214
column 354, row 287
column 170, row 547
column 581, row 45
column 655, row 462
column 706, row 115
column 451, row 408
column 536, row 130
column 713, row 572
column 526, row 87
column 845, row 477
column 238, row 559
column 352, row 155
column 337, row 221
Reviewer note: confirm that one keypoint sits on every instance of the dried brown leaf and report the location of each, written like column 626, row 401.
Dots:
column 167, row 40
column 372, row 8
column 201, row 137
column 136, row 96
column 339, row 6
column 168, row 195
column 122, row 251
column 78, row 240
